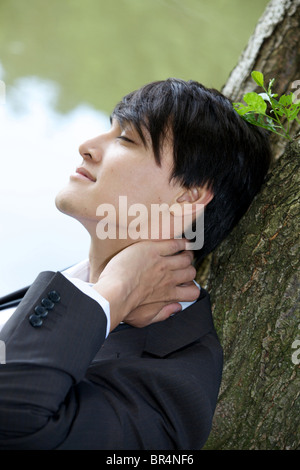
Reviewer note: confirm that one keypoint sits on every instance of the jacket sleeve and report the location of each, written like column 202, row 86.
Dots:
column 50, row 341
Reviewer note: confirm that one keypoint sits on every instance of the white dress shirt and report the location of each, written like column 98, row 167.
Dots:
column 79, row 275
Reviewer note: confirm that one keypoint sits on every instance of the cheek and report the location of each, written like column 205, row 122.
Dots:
column 140, row 181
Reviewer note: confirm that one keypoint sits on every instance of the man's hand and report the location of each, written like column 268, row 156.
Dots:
column 151, row 313
column 151, row 272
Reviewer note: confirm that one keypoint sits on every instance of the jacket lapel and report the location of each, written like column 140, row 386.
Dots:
column 183, row 328
column 159, row 339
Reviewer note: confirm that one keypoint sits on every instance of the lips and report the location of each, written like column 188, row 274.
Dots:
column 84, row 172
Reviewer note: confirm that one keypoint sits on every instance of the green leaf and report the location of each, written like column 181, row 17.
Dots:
column 277, row 107
column 258, row 120
column 250, row 117
column 256, row 102
column 258, row 78
column 286, row 100
column 270, row 123
column 293, row 112
column 240, row 108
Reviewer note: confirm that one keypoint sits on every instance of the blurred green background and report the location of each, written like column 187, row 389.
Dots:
column 99, row 50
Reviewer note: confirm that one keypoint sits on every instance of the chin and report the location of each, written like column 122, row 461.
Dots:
column 64, row 202
column 68, row 203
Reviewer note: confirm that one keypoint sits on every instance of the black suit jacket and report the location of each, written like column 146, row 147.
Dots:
column 64, row 386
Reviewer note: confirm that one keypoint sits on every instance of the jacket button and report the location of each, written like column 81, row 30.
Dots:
column 35, row 320
column 47, row 303
column 54, row 296
column 41, row 311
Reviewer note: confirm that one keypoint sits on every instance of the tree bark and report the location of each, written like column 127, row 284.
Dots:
column 253, row 276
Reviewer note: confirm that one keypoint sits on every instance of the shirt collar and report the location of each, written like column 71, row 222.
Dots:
column 80, row 270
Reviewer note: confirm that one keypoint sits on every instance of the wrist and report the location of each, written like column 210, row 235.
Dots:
column 118, row 297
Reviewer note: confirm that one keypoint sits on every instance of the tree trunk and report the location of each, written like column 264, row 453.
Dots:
column 253, row 278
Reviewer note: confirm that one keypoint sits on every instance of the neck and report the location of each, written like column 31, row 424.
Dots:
column 101, row 252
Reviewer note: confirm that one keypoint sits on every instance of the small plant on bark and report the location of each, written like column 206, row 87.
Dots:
column 255, row 110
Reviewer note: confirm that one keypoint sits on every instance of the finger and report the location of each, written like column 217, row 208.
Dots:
column 187, row 293
column 170, row 247
column 184, row 276
column 179, row 261
column 167, row 311
column 189, row 253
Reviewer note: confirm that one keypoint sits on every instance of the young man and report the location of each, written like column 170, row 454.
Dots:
column 128, row 357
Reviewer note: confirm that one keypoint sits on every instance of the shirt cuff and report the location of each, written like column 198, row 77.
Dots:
column 87, row 289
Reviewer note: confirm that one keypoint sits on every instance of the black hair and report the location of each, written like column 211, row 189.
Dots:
column 212, row 145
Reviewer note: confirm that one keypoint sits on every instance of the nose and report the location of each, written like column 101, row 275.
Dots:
column 91, row 149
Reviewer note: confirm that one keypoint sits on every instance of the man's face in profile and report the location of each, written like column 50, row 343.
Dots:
column 117, row 163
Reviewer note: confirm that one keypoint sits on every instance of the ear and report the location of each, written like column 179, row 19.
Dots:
column 194, row 199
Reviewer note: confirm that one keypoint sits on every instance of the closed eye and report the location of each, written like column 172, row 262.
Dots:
column 122, row 137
